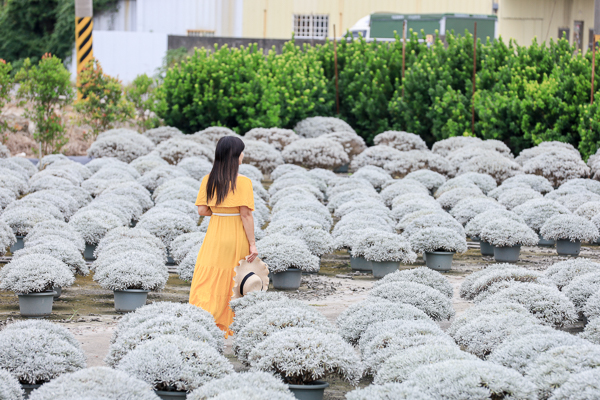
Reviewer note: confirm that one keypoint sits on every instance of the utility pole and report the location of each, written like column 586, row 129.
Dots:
column 84, row 25
column 474, row 79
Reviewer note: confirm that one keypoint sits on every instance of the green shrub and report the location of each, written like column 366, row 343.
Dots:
column 141, row 93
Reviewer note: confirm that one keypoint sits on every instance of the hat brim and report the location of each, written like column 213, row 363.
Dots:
column 244, row 268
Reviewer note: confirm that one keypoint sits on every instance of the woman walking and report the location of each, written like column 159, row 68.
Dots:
column 228, row 199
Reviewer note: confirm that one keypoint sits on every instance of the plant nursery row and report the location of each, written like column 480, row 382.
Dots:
column 129, row 213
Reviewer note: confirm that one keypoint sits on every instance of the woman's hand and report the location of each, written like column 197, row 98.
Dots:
column 253, row 253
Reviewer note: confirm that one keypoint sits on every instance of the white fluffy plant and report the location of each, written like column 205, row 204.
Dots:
column 515, row 197
column 167, row 224
column 474, row 227
column 86, row 384
column 355, row 320
column 178, row 148
column 131, row 269
column 316, row 126
column 59, row 248
column 429, row 300
column 254, row 381
column 159, row 175
column 467, row 209
column 400, row 140
column 316, row 153
column 175, row 363
column 92, row 225
column 305, row 355
column 415, row 160
column 581, row 288
column 262, row 155
column 497, row 166
column 486, row 278
column 375, row 175
column 562, row 273
column 10, row 389
column 312, row 233
column 558, row 166
column 196, row 167
column 35, row 273
column 580, row 386
column 422, row 275
column 434, row 239
column 504, row 232
column 276, row 137
column 281, row 252
column 571, row 227
column 470, row 379
column 375, row 155
column 162, row 133
column 537, row 212
column 122, row 144
column 38, row 352
column 546, row 303
column 380, row 246
column 22, row 219
column 352, row 143
column 7, row 237
column 431, row 179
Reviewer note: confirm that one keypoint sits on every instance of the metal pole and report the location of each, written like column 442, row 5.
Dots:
column 593, row 69
column 265, row 19
column 474, row 79
column 335, row 66
column 84, row 24
column 403, row 53
column 596, row 17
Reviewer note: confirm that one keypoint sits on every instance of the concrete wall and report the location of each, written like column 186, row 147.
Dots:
column 541, row 19
column 191, row 43
column 276, row 22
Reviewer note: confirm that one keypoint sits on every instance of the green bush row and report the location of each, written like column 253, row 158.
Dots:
column 524, row 94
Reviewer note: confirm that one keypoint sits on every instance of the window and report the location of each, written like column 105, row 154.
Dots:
column 311, row 25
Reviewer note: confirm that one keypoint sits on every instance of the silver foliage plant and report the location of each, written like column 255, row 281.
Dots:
column 581, row 386
column 414, row 160
column 558, row 166
column 383, row 246
column 536, row 212
column 399, row 367
column 375, row 175
column 253, row 298
column 422, row 275
column 496, row 275
column 546, row 303
column 175, row 361
column 581, row 288
column 592, row 331
column 592, row 307
column 281, row 252
column 304, row 355
column 429, row 300
column 167, row 224
column 34, row 354
column 467, row 209
column 355, row 320
column 274, row 320
column 554, row 367
column 24, row 218
column 235, row 381
column 123, row 144
column 316, row 126
column 518, row 352
column 159, row 175
column 375, row 155
column 352, row 143
column 316, row 153
column 387, row 391
column 311, row 233
column 10, row 389
column 470, row 379
column 35, row 273
column 485, row 309
column 572, row 227
column 59, row 248
column 504, row 232
column 88, row 383
column 246, row 316
column 92, row 225
column 431, row 179
column 434, row 239
column 403, row 141
column 132, row 269
column 7, row 237
column 563, row 272
column 277, row 137
column 474, row 227
column 176, row 149
column 262, row 155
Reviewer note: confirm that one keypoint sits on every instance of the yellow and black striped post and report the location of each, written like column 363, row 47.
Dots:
column 84, row 25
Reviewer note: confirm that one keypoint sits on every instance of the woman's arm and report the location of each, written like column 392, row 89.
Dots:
column 204, row 211
column 248, row 222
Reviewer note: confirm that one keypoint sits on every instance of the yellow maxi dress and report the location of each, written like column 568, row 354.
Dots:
column 225, row 244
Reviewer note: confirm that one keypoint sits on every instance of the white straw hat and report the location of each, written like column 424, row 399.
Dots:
column 250, row 277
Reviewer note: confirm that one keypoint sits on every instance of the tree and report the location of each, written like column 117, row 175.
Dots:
column 141, row 94
column 6, row 85
column 102, row 103
column 45, row 91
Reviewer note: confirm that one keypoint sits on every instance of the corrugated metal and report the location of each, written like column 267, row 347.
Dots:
column 174, row 17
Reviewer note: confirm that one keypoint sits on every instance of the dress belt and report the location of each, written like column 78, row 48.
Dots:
column 225, row 215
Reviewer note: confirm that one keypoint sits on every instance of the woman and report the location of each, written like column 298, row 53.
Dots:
column 228, row 199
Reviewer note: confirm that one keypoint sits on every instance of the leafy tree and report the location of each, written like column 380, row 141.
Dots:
column 6, row 85
column 141, row 93
column 31, row 28
column 102, row 103
column 45, row 91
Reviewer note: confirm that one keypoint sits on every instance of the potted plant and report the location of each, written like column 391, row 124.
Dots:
column 10, row 387
column 305, row 356
column 507, row 237
column 175, row 365
column 272, row 386
column 22, row 219
column 167, row 224
column 384, row 251
column 536, row 212
column 87, row 383
column 286, row 258
column 36, row 352
column 439, row 246
column 92, row 225
column 7, row 238
column 130, row 274
column 33, row 278
column 318, row 240
column 569, row 231
column 474, row 227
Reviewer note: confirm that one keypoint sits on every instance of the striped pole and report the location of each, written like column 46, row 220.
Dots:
column 84, row 25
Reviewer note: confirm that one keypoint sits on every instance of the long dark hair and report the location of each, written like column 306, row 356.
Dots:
column 224, row 172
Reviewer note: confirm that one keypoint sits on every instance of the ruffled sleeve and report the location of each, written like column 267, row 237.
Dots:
column 201, row 199
column 244, row 194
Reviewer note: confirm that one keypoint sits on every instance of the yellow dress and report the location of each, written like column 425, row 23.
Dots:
column 225, row 244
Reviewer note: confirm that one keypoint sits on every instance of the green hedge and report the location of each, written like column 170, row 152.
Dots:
column 525, row 95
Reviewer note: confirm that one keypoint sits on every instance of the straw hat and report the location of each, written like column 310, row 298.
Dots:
column 250, row 277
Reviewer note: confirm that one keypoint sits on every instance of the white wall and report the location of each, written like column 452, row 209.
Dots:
column 126, row 55
column 174, row 17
